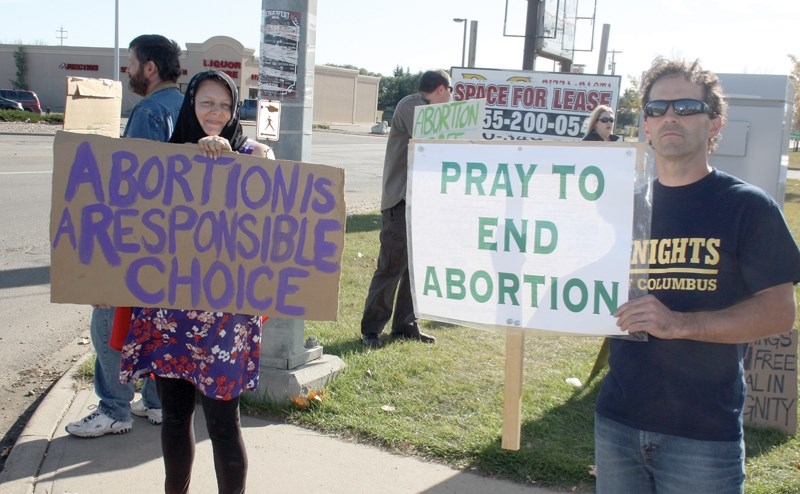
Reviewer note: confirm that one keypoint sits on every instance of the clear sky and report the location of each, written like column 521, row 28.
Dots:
column 739, row 36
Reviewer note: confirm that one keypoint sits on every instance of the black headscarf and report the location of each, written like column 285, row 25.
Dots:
column 188, row 128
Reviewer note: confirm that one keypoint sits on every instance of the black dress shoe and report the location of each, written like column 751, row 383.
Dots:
column 371, row 340
column 411, row 332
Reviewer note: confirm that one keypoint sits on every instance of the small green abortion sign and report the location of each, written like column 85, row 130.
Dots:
column 452, row 120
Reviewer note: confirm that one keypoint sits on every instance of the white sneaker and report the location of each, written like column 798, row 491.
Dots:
column 97, row 424
column 139, row 409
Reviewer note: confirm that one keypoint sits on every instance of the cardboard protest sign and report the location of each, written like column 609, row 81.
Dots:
column 452, row 120
column 771, row 375
column 525, row 105
column 93, row 106
column 534, row 236
column 146, row 224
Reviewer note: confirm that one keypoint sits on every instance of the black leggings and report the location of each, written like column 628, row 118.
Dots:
column 177, row 437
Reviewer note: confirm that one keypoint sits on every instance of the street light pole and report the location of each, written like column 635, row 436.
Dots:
column 464, row 41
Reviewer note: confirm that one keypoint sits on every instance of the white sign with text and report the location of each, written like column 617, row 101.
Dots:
column 532, row 236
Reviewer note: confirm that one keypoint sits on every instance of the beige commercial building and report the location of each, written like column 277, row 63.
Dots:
column 340, row 95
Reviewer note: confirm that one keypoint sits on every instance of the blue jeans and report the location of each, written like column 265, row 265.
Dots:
column 115, row 397
column 631, row 460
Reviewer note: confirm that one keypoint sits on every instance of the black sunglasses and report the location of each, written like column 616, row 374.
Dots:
column 606, row 119
column 449, row 88
column 682, row 107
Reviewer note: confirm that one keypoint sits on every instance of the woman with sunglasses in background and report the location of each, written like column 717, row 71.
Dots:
column 601, row 125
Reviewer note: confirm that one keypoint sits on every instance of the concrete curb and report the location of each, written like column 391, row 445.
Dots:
column 31, row 447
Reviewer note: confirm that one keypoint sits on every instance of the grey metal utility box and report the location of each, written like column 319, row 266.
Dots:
column 755, row 140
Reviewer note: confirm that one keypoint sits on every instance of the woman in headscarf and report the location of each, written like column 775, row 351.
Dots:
column 601, row 125
column 210, row 117
column 188, row 351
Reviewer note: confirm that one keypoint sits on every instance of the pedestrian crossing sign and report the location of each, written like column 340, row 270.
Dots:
column 268, row 120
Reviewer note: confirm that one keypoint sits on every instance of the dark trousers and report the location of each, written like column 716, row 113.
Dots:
column 177, row 437
column 391, row 276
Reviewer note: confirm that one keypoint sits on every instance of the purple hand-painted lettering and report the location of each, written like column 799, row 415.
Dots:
column 192, row 280
column 121, row 231
column 122, row 189
column 326, row 206
column 208, row 176
column 263, row 187
column 226, row 297
column 156, row 229
column 65, row 227
column 132, row 277
column 178, row 166
column 285, row 289
column 180, row 218
column 96, row 219
column 84, row 170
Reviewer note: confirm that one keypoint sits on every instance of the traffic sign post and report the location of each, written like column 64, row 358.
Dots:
column 268, row 120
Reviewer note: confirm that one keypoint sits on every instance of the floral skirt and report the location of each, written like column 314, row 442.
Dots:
column 217, row 351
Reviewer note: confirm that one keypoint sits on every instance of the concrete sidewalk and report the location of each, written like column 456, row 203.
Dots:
column 282, row 458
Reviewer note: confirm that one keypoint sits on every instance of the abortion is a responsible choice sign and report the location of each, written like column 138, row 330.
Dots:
column 147, row 224
column 532, row 236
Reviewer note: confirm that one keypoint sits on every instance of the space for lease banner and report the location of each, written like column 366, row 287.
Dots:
column 148, row 224
column 533, row 236
column 527, row 105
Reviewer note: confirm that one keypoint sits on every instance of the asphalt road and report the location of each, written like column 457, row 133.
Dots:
column 39, row 340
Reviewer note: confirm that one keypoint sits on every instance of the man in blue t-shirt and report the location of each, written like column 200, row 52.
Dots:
column 153, row 70
column 722, row 264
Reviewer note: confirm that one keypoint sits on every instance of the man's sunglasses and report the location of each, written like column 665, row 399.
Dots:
column 606, row 120
column 682, row 107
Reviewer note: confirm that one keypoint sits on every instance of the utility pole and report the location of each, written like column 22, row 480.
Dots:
column 601, row 61
column 286, row 368
column 61, row 34
column 613, row 65
column 473, row 42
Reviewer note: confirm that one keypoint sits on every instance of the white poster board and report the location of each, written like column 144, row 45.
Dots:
column 533, row 236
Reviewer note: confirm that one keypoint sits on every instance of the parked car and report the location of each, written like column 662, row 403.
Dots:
column 249, row 109
column 8, row 104
column 28, row 99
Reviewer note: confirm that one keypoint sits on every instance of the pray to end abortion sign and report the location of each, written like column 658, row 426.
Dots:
column 146, row 224
column 532, row 236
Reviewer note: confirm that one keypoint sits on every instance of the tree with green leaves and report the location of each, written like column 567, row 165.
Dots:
column 398, row 86
column 629, row 105
column 22, row 70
